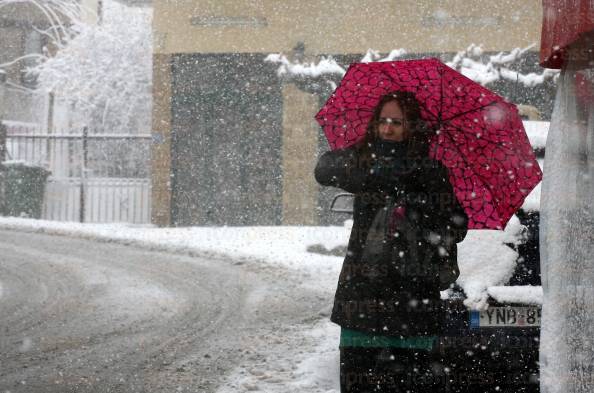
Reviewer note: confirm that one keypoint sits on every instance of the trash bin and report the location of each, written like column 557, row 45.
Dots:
column 24, row 188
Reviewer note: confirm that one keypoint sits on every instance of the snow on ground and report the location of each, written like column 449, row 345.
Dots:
column 483, row 258
column 285, row 246
column 306, row 358
column 301, row 361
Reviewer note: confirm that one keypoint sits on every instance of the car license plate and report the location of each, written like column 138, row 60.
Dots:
column 505, row 317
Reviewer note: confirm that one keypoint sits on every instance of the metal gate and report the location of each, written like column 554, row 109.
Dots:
column 227, row 140
column 95, row 177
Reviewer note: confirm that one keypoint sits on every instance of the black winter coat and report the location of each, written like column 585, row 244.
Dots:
column 391, row 286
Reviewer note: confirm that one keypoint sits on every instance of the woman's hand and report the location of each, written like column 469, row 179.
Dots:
column 344, row 169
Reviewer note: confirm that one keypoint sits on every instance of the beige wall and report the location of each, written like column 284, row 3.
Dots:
column 300, row 144
column 343, row 26
column 161, row 148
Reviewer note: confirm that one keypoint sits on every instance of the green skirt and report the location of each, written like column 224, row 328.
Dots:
column 356, row 338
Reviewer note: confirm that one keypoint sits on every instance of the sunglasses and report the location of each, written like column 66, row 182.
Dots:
column 389, row 120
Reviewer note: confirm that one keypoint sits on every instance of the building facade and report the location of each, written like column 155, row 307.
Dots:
column 234, row 144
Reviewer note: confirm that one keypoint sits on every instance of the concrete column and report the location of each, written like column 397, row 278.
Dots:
column 161, row 148
column 300, row 144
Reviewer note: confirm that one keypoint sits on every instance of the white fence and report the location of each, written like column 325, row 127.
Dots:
column 106, row 200
column 96, row 178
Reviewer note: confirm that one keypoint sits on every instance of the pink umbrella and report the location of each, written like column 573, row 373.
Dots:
column 480, row 138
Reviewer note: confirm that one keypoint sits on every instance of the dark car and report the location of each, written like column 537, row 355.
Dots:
column 490, row 341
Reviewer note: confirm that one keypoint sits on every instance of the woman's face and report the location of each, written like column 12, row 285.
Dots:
column 391, row 125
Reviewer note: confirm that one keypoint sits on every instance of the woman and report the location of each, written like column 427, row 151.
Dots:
column 401, row 252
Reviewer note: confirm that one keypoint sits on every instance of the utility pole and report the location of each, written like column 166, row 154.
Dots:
column 2, row 94
column 83, row 173
column 2, row 159
column 2, row 141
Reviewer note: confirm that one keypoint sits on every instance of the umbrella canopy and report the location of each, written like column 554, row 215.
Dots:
column 563, row 23
column 480, row 138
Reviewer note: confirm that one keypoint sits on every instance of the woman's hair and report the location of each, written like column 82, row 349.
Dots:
column 417, row 133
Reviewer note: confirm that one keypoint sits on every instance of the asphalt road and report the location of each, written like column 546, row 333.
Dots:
column 83, row 316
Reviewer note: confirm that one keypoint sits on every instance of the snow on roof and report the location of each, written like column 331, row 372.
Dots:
column 524, row 294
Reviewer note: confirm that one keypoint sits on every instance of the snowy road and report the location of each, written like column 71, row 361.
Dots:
column 84, row 316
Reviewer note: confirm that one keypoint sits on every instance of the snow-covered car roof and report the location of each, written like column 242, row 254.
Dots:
column 485, row 260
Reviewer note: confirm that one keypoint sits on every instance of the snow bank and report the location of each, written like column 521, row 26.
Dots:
column 284, row 246
column 483, row 257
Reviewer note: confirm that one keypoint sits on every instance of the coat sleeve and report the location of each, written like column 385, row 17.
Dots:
column 342, row 168
column 446, row 219
column 447, row 216
column 349, row 170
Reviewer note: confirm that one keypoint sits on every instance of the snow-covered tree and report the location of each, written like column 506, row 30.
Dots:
column 104, row 71
column 323, row 76
column 486, row 70
column 101, row 72
column 59, row 15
